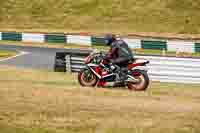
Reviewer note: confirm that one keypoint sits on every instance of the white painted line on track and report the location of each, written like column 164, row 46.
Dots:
column 21, row 53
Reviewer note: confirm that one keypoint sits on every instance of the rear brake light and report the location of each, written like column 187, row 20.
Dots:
column 136, row 73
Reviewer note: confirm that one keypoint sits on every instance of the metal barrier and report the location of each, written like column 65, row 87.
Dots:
column 164, row 69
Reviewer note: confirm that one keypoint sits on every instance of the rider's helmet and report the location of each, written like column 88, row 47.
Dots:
column 109, row 39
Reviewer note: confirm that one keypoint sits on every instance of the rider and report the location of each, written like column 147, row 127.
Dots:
column 119, row 54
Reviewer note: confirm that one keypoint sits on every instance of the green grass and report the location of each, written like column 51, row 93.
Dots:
column 166, row 53
column 5, row 53
column 41, row 101
column 100, row 16
column 11, row 129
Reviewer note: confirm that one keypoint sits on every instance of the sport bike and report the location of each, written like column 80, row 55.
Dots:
column 96, row 73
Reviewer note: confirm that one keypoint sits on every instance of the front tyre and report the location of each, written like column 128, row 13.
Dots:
column 143, row 81
column 87, row 78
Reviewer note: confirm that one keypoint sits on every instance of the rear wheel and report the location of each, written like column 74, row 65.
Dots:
column 143, row 81
column 87, row 78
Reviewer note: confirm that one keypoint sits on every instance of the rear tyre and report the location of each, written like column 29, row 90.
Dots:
column 143, row 83
column 87, row 78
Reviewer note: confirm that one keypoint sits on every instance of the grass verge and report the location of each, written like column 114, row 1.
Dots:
column 5, row 53
column 43, row 101
column 101, row 16
column 165, row 53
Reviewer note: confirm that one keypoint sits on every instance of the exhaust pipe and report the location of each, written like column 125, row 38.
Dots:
column 132, row 79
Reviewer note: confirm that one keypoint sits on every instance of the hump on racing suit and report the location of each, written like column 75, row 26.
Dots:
column 120, row 54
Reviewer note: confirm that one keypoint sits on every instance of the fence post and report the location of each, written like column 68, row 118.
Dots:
column 163, row 52
column 177, row 52
column 68, row 62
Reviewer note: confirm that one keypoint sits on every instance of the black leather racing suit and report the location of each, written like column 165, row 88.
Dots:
column 119, row 53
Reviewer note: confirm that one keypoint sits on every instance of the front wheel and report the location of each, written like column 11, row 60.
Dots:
column 143, row 81
column 87, row 78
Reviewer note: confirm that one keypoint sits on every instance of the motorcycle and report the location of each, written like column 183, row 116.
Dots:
column 97, row 74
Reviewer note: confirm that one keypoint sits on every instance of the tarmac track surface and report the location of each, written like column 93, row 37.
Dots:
column 32, row 57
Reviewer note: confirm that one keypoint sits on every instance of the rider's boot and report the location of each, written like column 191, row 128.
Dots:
column 125, row 75
column 130, row 78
